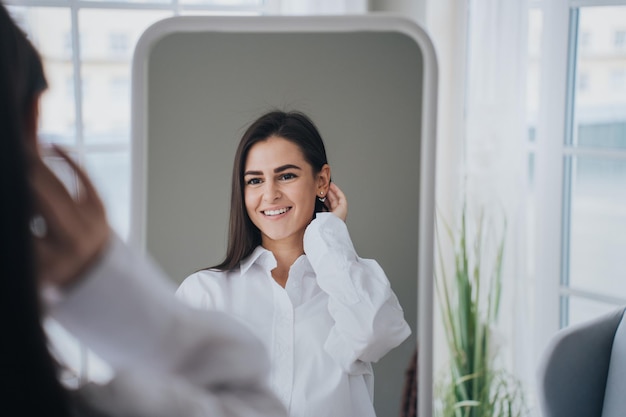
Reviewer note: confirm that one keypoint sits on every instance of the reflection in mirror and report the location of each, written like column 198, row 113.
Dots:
column 368, row 83
column 292, row 275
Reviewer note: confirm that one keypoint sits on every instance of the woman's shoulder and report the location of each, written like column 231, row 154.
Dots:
column 207, row 276
column 205, row 287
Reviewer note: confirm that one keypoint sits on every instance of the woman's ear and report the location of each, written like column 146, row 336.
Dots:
column 323, row 181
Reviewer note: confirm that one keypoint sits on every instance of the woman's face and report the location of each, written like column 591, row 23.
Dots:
column 280, row 190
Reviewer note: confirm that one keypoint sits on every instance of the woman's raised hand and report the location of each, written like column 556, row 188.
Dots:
column 76, row 229
column 337, row 202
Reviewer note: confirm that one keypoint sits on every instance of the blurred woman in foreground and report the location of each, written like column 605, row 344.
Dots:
column 170, row 360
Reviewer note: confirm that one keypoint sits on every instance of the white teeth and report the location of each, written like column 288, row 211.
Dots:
column 275, row 212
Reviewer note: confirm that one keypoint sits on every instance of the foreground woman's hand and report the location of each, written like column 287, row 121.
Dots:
column 76, row 230
column 337, row 202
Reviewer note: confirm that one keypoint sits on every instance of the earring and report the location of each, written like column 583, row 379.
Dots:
column 321, row 198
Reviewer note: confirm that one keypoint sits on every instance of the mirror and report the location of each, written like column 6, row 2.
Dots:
column 369, row 84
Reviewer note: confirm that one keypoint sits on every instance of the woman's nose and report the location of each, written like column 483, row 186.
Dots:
column 271, row 191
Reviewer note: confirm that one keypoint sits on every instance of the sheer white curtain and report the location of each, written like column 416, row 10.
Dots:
column 317, row 7
column 496, row 158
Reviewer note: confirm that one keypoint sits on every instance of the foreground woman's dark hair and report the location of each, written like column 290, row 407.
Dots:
column 29, row 374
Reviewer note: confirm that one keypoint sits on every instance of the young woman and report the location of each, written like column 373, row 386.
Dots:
column 170, row 360
column 292, row 275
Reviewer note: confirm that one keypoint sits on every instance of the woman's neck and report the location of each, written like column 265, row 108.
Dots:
column 285, row 252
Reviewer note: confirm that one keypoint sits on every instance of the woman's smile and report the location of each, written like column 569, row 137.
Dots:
column 276, row 212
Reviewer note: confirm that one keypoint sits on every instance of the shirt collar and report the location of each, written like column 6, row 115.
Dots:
column 301, row 266
column 265, row 259
column 260, row 256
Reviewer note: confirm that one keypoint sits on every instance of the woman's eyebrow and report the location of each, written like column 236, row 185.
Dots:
column 276, row 170
column 252, row 173
column 286, row 167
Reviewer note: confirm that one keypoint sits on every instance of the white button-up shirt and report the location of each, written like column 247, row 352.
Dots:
column 336, row 315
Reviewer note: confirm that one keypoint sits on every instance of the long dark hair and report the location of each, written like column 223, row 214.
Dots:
column 296, row 127
column 29, row 378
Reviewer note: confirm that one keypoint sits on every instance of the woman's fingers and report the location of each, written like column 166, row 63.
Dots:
column 52, row 200
column 337, row 201
column 86, row 190
column 76, row 229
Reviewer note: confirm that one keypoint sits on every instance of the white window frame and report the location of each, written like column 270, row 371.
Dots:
column 556, row 106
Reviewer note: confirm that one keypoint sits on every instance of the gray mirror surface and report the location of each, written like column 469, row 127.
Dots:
column 195, row 92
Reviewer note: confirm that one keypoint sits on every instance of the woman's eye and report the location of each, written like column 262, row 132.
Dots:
column 253, row 181
column 287, row 176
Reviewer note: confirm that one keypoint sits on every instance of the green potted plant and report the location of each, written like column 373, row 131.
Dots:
column 475, row 383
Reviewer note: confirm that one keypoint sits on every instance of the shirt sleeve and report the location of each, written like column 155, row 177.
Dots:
column 195, row 292
column 369, row 321
column 126, row 312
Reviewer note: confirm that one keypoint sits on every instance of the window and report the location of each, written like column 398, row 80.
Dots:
column 119, row 43
column 578, row 165
column 619, row 39
column 67, row 44
column 87, row 106
column 583, row 82
column 533, row 96
column 119, row 87
column 595, row 174
column 617, row 80
column 585, row 40
column 588, row 159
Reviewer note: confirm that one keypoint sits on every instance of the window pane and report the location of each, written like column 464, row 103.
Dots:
column 195, row 12
column 600, row 106
column 132, row 1
column 220, row 3
column 533, row 86
column 110, row 172
column 224, row 3
column 603, row 135
column 598, row 226
column 531, row 170
column 108, row 38
column 49, row 29
column 582, row 309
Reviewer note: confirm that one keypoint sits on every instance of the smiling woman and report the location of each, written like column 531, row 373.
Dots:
column 323, row 313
